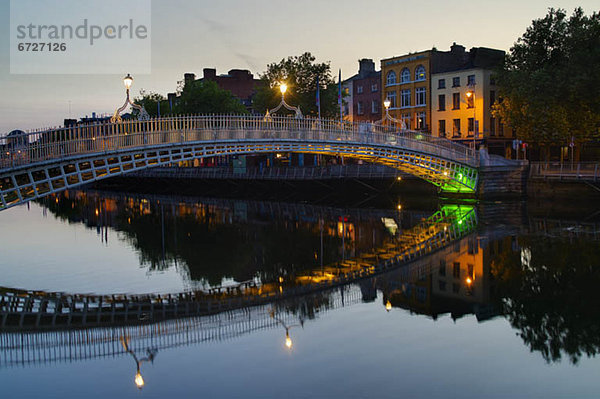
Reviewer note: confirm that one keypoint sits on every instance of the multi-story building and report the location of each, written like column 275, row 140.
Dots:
column 405, row 83
column 362, row 102
column 462, row 99
column 447, row 93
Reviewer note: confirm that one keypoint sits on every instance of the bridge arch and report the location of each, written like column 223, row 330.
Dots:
column 53, row 160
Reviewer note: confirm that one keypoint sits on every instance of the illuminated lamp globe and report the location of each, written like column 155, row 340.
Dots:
column 128, row 81
column 283, row 88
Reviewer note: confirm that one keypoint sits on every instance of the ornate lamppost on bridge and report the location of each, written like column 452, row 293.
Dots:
column 283, row 89
column 142, row 116
column 388, row 117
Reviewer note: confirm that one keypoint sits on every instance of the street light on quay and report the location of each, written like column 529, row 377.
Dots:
column 142, row 116
column 471, row 97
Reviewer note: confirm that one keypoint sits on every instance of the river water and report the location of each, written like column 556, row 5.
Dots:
column 506, row 306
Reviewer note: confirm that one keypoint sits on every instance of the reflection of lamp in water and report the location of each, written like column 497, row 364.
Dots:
column 388, row 306
column 138, row 379
column 288, row 339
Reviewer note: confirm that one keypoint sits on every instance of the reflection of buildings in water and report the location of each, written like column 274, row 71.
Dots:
column 167, row 231
column 456, row 280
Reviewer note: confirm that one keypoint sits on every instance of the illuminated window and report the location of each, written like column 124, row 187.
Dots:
column 421, row 121
column 391, row 78
column 455, row 100
column 405, row 76
column 420, row 73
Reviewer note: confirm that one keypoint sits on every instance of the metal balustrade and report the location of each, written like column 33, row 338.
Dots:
column 42, row 162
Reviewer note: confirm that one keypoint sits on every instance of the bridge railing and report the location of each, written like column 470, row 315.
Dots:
column 57, row 143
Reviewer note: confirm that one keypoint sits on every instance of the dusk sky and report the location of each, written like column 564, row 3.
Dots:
column 188, row 36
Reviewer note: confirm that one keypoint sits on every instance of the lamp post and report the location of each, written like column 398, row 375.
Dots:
column 471, row 96
column 142, row 116
column 283, row 88
column 387, row 117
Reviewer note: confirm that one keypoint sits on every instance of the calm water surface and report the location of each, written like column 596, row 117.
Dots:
column 510, row 309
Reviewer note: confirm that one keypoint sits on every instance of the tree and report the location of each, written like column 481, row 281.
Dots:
column 301, row 74
column 206, row 97
column 151, row 102
column 549, row 294
column 550, row 80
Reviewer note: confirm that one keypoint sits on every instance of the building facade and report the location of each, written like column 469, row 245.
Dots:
column 405, row 83
column 462, row 99
column 362, row 100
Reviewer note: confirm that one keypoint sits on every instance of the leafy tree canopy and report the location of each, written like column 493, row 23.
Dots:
column 151, row 102
column 206, row 97
column 550, row 80
column 300, row 73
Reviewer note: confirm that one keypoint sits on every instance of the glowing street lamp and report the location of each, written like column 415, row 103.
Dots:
column 283, row 88
column 387, row 103
column 142, row 116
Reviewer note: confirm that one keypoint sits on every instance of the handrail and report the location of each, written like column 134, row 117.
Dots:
column 61, row 142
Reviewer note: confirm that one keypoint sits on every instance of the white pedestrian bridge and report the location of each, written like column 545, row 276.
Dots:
column 39, row 163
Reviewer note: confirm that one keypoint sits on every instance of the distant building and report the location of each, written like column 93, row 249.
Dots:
column 240, row 82
column 363, row 93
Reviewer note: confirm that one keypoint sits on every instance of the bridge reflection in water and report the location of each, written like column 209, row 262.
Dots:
column 438, row 266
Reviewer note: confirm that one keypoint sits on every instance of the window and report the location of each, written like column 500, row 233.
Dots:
column 420, row 73
column 442, row 270
column 442, row 102
column 456, row 82
column 405, row 76
column 492, row 126
column 359, row 89
column 359, row 109
column 492, row 81
column 441, row 83
column 492, row 97
column 420, row 94
column 391, row 78
column 391, row 95
column 471, row 126
column 374, row 87
column 442, row 285
column 406, row 120
column 471, row 272
column 456, row 128
column 455, row 100
column 374, row 107
column 442, row 128
column 471, row 80
column 501, row 129
column 455, row 288
column 421, row 121
column 456, row 270
column 405, row 102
